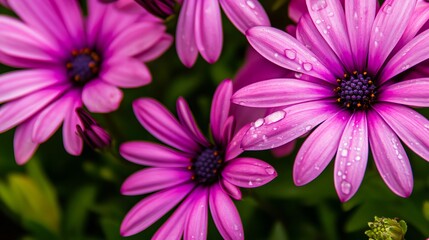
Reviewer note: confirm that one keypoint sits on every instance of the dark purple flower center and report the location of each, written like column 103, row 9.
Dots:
column 207, row 166
column 355, row 91
column 83, row 66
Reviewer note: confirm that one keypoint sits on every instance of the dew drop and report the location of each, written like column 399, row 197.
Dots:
column 250, row 4
column 330, row 14
column 275, row 117
column 345, row 187
column 339, row 173
column 344, row 153
column 388, row 9
column 357, row 158
column 290, row 53
column 276, row 55
column 270, row 170
column 307, row 66
column 308, row 128
column 298, row 75
column 318, row 21
column 258, row 122
column 317, row 5
column 250, row 183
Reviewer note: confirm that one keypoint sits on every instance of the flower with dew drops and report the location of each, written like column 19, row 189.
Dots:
column 194, row 174
column 355, row 98
column 67, row 62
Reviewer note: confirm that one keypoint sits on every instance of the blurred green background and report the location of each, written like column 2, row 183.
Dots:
column 58, row 196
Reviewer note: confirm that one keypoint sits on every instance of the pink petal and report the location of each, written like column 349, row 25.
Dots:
column 187, row 120
column 220, row 109
column 316, row 152
column 285, row 51
column 360, row 15
column 389, row 156
column 307, row 33
column 284, row 150
column 154, row 179
column 227, row 131
column 185, row 34
column 72, row 142
column 388, row 27
column 125, row 73
column 225, row 214
column 207, row 16
column 154, row 155
column 284, row 126
column 101, row 97
column 248, row 172
column 136, row 39
column 70, row 14
column 174, row 226
column 280, row 92
column 15, row 112
column 416, row 51
column 196, row 225
column 23, row 146
column 23, row 82
column 413, row 92
column 230, row 189
column 328, row 16
column 151, row 208
column 352, row 157
column 415, row 24
column 245, row 14
column 297, row 8
column 157, row 120
column 19, row 42
column 94, row 22
column 156, row 50
column 409, row 125
column 50, row 119
column 233, row 148
column 46, row 18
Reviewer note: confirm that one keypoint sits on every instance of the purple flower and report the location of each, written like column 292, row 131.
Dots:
column 68, row 62
column 196, row 175
column 355, row 97
column 199, row 29
column 92, row 133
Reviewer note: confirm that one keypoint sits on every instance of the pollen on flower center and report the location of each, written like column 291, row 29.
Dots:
column 355, row 91
column 83, row 66
column 207, row 166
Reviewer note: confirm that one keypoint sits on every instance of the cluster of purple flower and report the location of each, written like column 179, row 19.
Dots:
column 343, row 70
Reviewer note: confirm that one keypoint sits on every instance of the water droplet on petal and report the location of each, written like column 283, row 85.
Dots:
column 258, row 122
column 344, row 153
column 318, row 21
column 275, row 117
column 270, row 170
column 250, row 4
column 250, row 183
column 290, row 53
column 388, row 8
column 307, row 66
column 330, row 14
column 357, row 158
column 317, row 5
column 298, row 75
column 345, row 187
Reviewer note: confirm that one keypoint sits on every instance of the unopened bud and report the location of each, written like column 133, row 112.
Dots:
column 92, row 133
column 386, row 229
column 160, row 8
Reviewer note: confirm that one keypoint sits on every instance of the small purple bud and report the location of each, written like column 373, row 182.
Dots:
column 160, row 8
column 92, row 133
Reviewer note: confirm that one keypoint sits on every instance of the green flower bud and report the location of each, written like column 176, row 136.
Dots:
column 386, row 229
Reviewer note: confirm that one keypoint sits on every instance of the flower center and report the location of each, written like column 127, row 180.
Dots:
column 206, row 166
column 83, row 66
column 355, row 91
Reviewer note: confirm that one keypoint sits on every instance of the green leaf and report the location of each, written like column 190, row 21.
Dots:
column 278, row 232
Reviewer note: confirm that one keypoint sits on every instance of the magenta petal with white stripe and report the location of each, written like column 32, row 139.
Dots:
column 225, row 215
column 245, row 14
column 413, row 92
column 352, row 156
column 389, row 156
column 23, row 145
column 196, row 226
column 220, row 109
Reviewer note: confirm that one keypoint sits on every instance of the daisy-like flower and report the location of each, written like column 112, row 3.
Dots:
column 196, row 175
column 355, row 97
column 69, row 62
column 199, row 29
